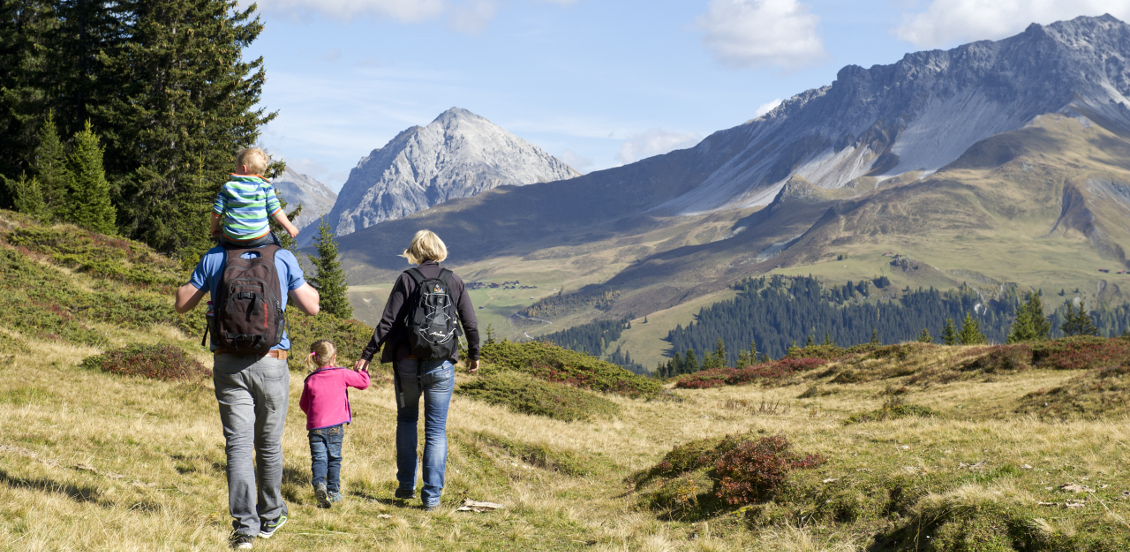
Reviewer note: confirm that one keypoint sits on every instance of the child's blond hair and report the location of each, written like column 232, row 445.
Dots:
column 425, row 246
column 322, row 353
column 254, row 158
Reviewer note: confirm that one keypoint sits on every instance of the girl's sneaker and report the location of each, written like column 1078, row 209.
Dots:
column 335, row 497
column 322, row 496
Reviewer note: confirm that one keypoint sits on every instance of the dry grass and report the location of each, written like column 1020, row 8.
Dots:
column 96, row 461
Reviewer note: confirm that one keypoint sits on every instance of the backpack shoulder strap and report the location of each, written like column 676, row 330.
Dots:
column 445, row 277
column 416, row 275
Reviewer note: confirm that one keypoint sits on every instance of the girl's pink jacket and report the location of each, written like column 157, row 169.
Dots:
column 325, row 399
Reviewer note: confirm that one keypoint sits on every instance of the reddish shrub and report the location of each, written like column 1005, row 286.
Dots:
column 755, row 471
column 1081, row 353
column 164, row 362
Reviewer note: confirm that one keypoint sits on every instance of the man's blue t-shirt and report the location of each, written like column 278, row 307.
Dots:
column 211, row 266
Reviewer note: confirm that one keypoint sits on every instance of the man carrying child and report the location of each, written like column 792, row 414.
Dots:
column 252, row 389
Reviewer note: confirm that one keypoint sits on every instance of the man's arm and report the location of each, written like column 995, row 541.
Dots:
column 306, row 299
column 188, row 296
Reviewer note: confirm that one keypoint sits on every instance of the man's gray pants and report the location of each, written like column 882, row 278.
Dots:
column 253, row 393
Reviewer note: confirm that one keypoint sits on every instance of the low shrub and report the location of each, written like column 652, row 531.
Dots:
column 776, row 370
column 754, row 471
column 552, row 363
column 1007, row 358
column 165, row 362
column 526, row 395
column 720, row 472
column 893, row 409
column 1080, row 353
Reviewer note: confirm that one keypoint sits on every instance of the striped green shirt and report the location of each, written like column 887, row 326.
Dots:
column 246, row 203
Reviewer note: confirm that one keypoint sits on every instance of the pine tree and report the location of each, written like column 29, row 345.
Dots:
column 925, row 337
column 970, row 333
column 690, row 362
column 1041, row 325
column 330, row 279
column 186, row 102
column 875, row 337
column 28, row 197
column 1078, row 323
column 88, row 192
column 490, row 335
column 50, row 167
column 949, row 333
column 1022, row 329
column 27, row 29
column 720, row 354
column 828, row 340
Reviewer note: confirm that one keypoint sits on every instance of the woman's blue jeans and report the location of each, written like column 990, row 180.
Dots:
column 434, row 380
column 325, row 456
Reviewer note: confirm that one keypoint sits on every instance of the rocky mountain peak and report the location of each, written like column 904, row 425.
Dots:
column 459, row 154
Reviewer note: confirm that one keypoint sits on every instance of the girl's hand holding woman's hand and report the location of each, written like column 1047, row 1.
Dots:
column 361, row 365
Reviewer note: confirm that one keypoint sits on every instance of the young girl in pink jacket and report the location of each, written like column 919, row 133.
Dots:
column 325, row 400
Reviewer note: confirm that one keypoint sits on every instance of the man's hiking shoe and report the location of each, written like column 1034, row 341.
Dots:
column 406, row 494
column 241, row 542
column 322, row 496
column 269, row 528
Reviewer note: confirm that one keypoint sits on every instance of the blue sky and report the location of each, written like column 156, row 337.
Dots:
column 598, row 83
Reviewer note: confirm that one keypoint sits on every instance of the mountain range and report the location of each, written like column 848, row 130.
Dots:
column 991, row 163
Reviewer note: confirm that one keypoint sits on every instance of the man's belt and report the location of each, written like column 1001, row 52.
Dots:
column 280, row 354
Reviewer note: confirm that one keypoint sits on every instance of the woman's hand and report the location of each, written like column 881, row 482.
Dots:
column 361, row 365
column 472, row 366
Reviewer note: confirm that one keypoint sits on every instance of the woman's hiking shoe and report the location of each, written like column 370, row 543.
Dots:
column 269, row 528
column 405, row 494
column 241, row 542
column 322, row 496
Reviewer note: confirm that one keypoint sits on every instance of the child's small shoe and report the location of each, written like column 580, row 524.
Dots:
column 322, row 496
column 335, row 497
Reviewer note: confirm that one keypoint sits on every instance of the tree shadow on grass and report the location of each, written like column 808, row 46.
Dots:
column 74, row 492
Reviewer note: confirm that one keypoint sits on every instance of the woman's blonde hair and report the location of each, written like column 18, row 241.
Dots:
column 322, row 353
column 254, row 158
column 425, row 246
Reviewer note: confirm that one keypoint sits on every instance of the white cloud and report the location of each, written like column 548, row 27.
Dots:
column 472, row 17
column 405, row 11
column 766, row 108
column 579, row 164
column 760, row 33
column 655, row 142
column 947, row 22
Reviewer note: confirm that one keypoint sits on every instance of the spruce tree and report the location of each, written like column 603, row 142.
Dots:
column 925, row 336
column 970, row 333
column 1078, row 323
column 186, row 102
column 690, row 362
column 50, row 167
column 88, row 193
column 330, row 278
column 27, row 197
column 810, row 342
column 1041, row 325
column 949, row 333
column 27, row 29
column 875, row 337
column 720, row 354
column 1022, row 329
column 828, row 340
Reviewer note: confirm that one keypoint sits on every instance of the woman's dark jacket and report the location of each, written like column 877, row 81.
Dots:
column 391, row 331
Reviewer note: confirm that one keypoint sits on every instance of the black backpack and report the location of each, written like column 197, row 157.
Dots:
column 248, row 317
column 433, row 322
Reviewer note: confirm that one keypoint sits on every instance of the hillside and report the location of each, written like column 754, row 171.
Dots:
column 989, row 165
column 977, row 448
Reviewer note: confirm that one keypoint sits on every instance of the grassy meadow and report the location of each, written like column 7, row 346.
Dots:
column 913, row 447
